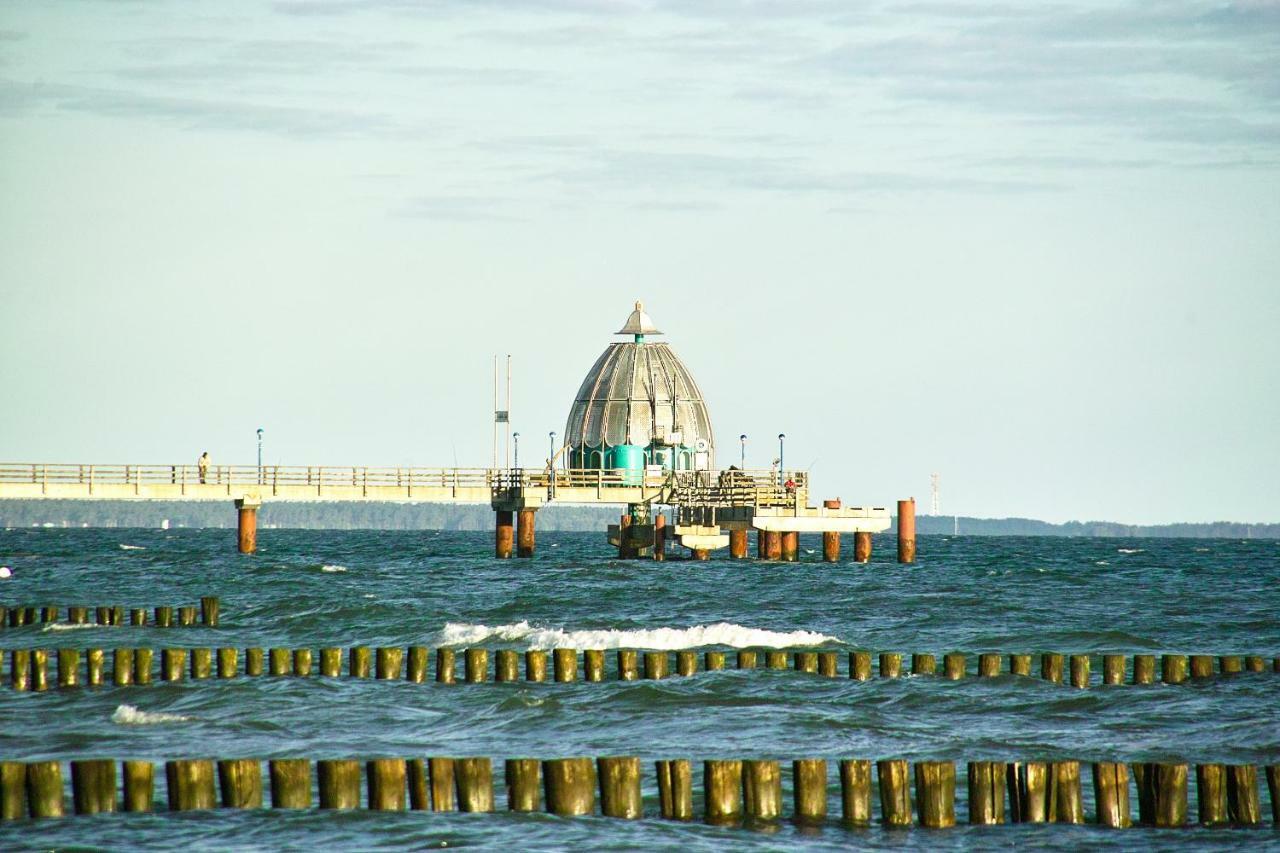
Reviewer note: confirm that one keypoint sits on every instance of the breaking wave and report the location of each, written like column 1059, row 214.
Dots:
column 333, row 568
column 68, row 626
column 133, row 547
column 719, row 634
column 128, row 715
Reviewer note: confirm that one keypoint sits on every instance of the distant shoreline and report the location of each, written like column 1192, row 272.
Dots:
column 338, row 515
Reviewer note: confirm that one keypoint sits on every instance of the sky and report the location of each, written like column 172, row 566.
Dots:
column 1031, row 247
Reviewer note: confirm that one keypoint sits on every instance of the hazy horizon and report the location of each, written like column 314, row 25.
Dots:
column 1030, row 248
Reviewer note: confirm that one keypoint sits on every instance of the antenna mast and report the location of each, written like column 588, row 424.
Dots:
column 935, row 503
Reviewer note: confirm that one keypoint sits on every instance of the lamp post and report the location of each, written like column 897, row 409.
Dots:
column 551, row 455
column 515, row 437
column 742, row 462
column 781, row 465
column 259, row 456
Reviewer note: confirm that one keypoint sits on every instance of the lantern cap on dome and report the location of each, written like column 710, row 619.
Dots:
column 639, row 323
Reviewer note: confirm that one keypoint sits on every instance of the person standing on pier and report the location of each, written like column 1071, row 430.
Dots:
column 203, row 464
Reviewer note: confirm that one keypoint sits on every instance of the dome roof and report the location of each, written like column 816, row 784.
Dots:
column 637, row 393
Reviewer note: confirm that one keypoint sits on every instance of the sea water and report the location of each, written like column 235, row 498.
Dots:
column 320, row 588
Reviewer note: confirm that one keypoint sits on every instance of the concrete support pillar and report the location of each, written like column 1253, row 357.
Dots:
column 738, row 544
column 907, row 531
column 247, row 525
column 762, row 545
column 525, row 532
column 624, row 537
column 862, row 547
column 504, row 535
column 773, row 545
column 790, row 546
column 660, row 537
column 831, row 538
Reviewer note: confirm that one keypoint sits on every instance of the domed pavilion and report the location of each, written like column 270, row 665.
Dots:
column 639, row 406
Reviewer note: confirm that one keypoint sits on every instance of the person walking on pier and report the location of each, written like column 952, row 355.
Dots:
column 203, row 464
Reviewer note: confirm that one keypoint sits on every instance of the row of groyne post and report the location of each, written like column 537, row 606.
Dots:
column 733, row 790
column 114, row 615
column 30, row 669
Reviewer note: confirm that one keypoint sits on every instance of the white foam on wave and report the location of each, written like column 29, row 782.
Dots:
column 333, row 568
column 128, row 715
column 133, row 548
column 719, row 634
column 68, row 626
column 1131, row 550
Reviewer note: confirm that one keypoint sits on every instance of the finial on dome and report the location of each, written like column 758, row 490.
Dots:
column 639, row 324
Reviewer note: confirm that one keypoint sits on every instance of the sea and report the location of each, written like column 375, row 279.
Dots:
column 342, row 588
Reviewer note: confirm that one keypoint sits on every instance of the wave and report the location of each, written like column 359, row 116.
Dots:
column 68, row 626
column 719, row 634
column 333, row 568
column 133, row 548
column 1131, row 550
column 128, row 715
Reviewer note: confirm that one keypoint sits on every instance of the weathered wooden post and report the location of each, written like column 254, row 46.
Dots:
column 593, row 664
column 620, row 787
column 240, row 780
column 712, row 661
column 804, row 661
column 895, row 793
column 1031, row 794
column 1273, row 786
column 339, row 783
column 302, row 662
column 524, row 785
column 139, row 785
column 565, row 665
column 138, row 617
column 761, row 790
column 419, row 792
column 656, row 665
column 506, row 665
column 77, row 615
column 187, row 615
column 1020, row 664
column 686, row 663
column 855, row 791
column 331, row 662
column 122, row 667
column 1113, row 669
column 1242, row 794
column 628, row 669
column 1173, row 669
column 923, row 664
column 164, row 617
column 190, row 785
column 890, row 664
column 415, row 670
column 675, row 789
column 93, row 786
column 201, row 663
column 142, row 666
column 95, row 665
column 1211, row 793
column 441, row 783
column 172, row 663
column 290, row 783
column 535, row 665
column 1144, row 669
column 1068, row 806
column 827, row 663
column 1254, row 663
column 570, row 785
column 986, row 791
column 936, row 793
column 1111, row 793
column 988, row 665
column 809, row 789
column 209, row 607
column 774, row 659
column 390, row 663
column 359, row 661
column 746, row 659
column 1051, row 667
column 68, row 667
column 20, row 669
column 1080, row 671
column 40, row 670
column 474, row 777
column 476, row 665
column 446, row 665
column 722, row 786
column 955, row 665
column 102, row 615
column 1162, row 793
column 279, row 661
column 860, row 666
column 1201, row 666
column 907, row 531
column 254, row 661
column 1230, row 665
column 44, row 789
column 228, row 662
column 13, row 789
column 385, row 778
